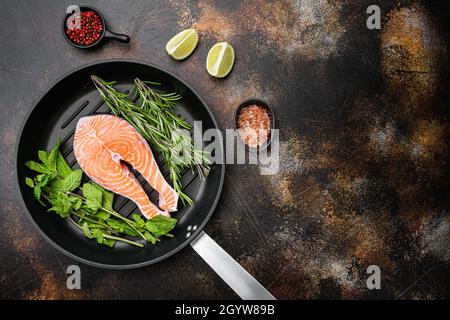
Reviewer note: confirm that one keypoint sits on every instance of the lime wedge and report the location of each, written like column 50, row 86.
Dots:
column 220, row 60
column 182, row 44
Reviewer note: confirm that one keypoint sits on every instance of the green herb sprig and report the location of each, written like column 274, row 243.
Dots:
column 155, row 118
column 89, row 206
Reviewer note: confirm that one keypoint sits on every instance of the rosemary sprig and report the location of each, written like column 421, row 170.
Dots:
column 155, row 118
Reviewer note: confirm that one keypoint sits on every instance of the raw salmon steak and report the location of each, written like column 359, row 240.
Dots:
column 102, row 143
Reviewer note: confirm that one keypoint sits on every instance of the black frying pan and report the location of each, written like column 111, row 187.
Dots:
column 55, row 116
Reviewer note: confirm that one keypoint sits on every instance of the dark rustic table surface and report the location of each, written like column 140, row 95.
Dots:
column 363, row 117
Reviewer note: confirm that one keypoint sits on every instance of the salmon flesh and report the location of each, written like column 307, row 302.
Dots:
column 102, row 144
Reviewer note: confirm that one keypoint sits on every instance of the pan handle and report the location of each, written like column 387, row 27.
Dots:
column 247, row 287
column 117, row 36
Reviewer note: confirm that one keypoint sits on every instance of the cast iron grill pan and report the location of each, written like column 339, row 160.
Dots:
column 55, row 116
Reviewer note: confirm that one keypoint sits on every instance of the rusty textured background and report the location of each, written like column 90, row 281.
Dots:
column 364, row 175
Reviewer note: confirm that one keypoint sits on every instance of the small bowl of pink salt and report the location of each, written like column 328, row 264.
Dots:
column 254, row 121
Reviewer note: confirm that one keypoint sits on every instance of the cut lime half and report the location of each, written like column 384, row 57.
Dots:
column 220, row 60
column 182, row 44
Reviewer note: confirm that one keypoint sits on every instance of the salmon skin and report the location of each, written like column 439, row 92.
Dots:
column 102, row 143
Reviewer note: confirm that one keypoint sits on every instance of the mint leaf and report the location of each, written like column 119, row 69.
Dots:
column 129, row 230
column 57, row 184
column 42, row 155
column 33, row 165
column 149, row 237
column 37, row 192
column 29, row 182
column 139, row 221
column 160, row 225
column 50, row 162
column 102, row 215
column 62, row 167
column 98, row 234
column 121, row 227
column 108, row 197
column 61, row 204
column 93, row 195
column 87, row 233
column 69, row 183
column 116, row 225
column 109, row 242
column 73, row 180
column 76, row 202
column 43, row 179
